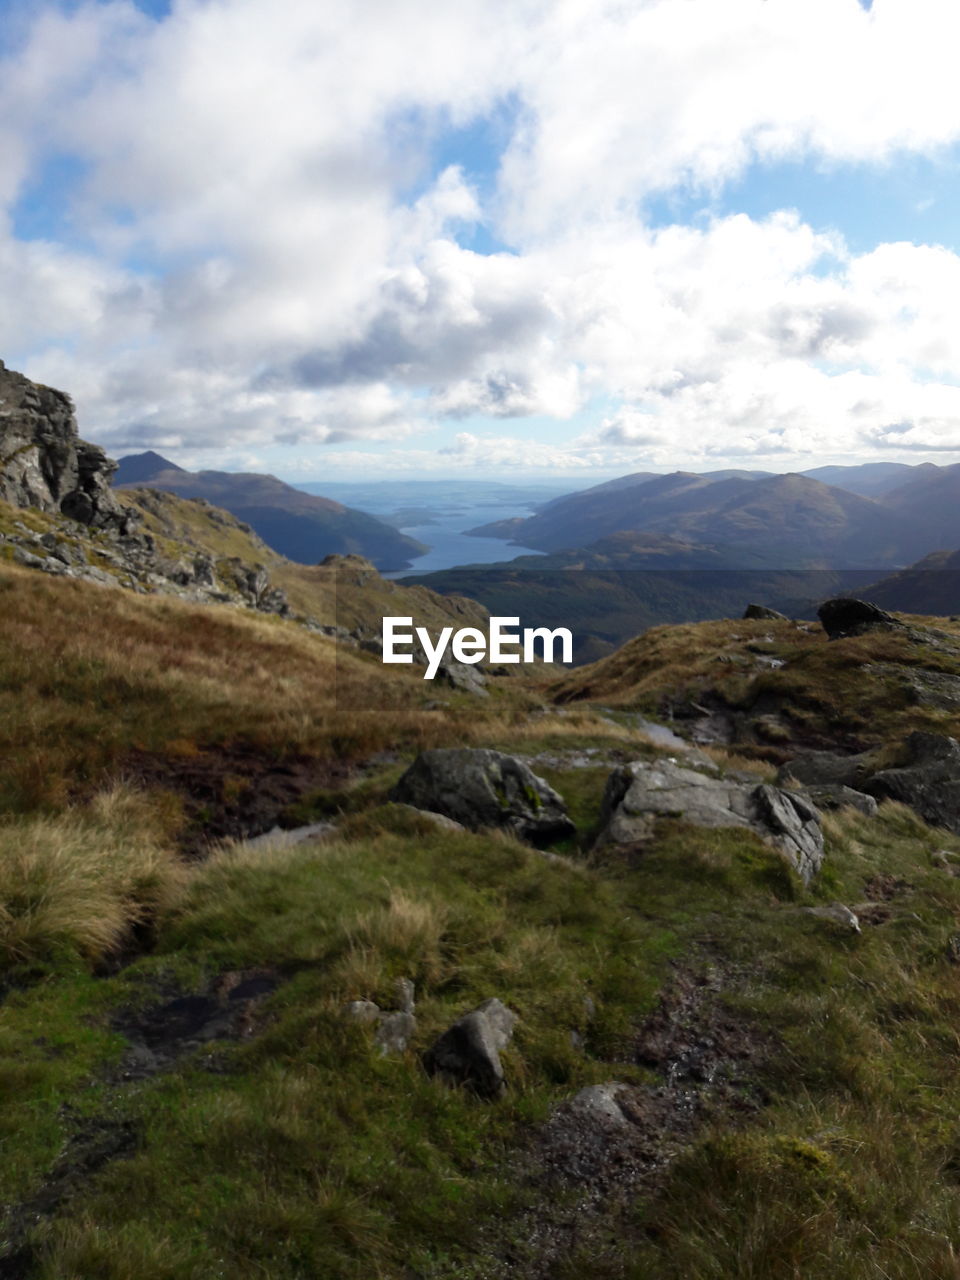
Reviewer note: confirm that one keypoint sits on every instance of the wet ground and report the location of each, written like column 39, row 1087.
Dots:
column 232, row 792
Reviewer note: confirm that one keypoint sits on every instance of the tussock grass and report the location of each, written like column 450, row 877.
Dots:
column 80, row 882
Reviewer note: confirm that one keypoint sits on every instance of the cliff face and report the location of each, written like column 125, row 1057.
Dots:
column 43, row 461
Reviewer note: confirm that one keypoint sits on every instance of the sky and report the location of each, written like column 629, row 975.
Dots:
column 507, row 239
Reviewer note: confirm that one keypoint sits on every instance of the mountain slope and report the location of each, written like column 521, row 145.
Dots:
column 931, row 586
column 932, row 501
column 301, row 526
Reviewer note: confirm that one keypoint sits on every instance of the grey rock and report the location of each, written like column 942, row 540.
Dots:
column 929, row 782
column 761, row 611
column 825, row 768
column 837, row 913
column 833, row 796
column 406, row 995
column 438, row 819
column 846, row 616
column 598, row 1104
column 44, row 463
column 462, row 676
column 363, row 1010
column 285, row 838
column 639, row 793
column 395, row 1032
column 26, row 559
column 468, row 1053
column 483, row 788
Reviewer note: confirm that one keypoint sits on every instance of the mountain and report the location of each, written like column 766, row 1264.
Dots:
column 788, row 521
column 141, row 468
column 301, row 526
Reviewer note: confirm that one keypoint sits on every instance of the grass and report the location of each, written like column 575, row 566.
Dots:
column 90, row 678
column 80, row 883
column 297, row 1149
column 302, row 1151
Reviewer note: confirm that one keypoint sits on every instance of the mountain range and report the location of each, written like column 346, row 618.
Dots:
column 792, row 521
column 301, row 526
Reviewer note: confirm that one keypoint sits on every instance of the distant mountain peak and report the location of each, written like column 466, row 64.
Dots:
column 141, row 468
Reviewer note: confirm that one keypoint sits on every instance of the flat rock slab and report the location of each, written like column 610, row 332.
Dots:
column 482, row 788
column 639, row 793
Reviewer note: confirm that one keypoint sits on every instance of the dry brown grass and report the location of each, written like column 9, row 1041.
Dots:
column 89, row 676
column 81, row 881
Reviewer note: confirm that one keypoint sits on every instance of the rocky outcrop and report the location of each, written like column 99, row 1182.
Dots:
column 638, row 794
column 134, row 560
column 482, row 788
column 468, row 1053
column 44, row 463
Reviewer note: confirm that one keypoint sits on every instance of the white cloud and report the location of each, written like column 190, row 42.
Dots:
column 260, row 254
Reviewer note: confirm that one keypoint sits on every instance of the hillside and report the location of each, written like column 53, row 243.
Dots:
column 621, row 585
column 699, row 1082
column 301, row 526
column 932, row 586
column 932, row 499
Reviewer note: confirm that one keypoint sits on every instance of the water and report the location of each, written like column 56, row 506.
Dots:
column 450, row 546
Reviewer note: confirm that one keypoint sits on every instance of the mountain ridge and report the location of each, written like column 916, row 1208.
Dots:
column 301, row 526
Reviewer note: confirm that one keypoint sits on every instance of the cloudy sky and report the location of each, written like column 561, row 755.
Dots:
column 343, row 238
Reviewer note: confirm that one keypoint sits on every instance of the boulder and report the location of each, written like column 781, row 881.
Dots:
column 825, row 768
column 840, row 797
column 639, row 793
column 848, row 617
column 929, row 782
column 468, row 1052
column 482, row 788
column 760, row 611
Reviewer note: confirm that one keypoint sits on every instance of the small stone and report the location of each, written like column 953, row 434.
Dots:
column 363, row 1010
column 395, row 1032
column 468, row 1053
column 836, row 912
